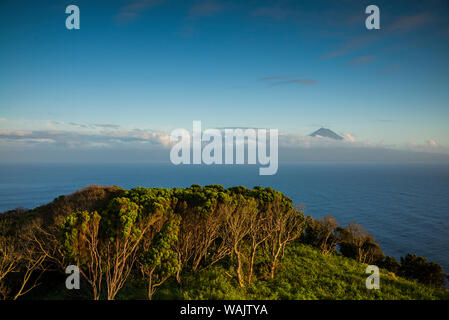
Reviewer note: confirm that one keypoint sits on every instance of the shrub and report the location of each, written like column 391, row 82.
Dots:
column 417, row 268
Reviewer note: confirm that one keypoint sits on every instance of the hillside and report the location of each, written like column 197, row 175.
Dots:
column 197, row 243
column 306, row 274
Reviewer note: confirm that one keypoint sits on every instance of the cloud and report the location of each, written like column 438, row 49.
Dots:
column 276, row 13
column 269, row 78
column 143, row 138
column 107, row 126
column 63, row 138
column 78, row 125
column 89, row 126
column 202, row 9
column 137, row 145
column 348, row 137
column 15, row 133
column 304, row 81
column 135, row 9
column 432, row 143
column 408, row 23
column 276, row 80
column 362, row 60
column 288, row 140
column 384, row 120
column 59, row 125
column 206, row 8
column 391, row 69
column 402, row 24
column 350, row 45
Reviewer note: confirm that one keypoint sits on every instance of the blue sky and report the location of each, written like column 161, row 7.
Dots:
column 142, row 66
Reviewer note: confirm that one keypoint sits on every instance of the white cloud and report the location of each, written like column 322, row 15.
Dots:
column 348, row 137
column 75, row 135
column 83, row 138
column 432, row 143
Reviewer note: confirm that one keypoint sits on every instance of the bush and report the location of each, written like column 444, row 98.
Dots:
column 417, row 268
column 322, row 234
column 356, row 243
column 391, row 264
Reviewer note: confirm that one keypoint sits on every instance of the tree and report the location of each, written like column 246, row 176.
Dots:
column 358, row 244
column 285, row 224
column 390, row 264
column 198, row 232
column 8, row 263
column 417, row 268
column 161, row 260
column 258, row 234
column 80, row 238
column 236, row 217
column 106, row 245
column 322, row 234
column 30, row 262
column 21, row 262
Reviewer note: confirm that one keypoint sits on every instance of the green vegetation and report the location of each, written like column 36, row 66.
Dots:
column 197, row 243
column 305, row 274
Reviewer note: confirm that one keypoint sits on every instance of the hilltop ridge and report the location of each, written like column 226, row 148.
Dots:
column 326, row 133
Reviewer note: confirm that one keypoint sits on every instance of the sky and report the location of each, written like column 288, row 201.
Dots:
column 137, row 69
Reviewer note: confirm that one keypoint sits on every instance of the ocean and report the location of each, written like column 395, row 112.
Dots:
column 404, row 206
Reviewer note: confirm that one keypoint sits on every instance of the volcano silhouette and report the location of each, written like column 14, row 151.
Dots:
column 326, row 133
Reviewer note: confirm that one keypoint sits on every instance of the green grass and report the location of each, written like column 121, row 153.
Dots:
column 305, row 274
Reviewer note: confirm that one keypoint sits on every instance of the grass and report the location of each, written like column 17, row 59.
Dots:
column 305, row 274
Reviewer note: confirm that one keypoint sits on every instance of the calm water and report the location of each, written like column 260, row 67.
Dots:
column 406, row 207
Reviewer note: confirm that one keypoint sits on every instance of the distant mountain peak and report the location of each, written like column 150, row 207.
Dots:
column 326, row 133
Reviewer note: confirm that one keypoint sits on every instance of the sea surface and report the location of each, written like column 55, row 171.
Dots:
column 405, row 206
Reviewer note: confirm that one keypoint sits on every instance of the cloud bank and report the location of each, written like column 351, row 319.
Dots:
column 111, row 143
